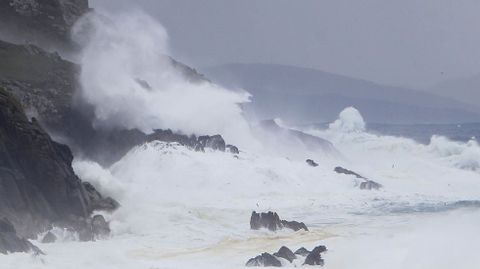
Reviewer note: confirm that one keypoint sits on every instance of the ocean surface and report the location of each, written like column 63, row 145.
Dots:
column 187, row 209
column 422, row 133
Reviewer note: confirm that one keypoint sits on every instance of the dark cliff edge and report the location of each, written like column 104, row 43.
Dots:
column 39, row 100
column 38, row 187
column 47, row 85
column 43, row 23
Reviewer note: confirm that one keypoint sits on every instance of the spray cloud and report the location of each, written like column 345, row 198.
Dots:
column 131, row 82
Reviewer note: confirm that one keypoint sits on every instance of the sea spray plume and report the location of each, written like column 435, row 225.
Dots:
column 131, row 82
column 350, row 120
column 460, row 154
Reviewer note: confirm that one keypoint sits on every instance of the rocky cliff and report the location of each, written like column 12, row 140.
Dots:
column 46, row 86
column 37, row 184
column 43, row 22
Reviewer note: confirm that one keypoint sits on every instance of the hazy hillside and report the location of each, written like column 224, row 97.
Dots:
column 302, row 94
column 463, row 89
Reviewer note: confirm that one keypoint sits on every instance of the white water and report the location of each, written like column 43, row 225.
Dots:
column 131, row 82
column 185, row 209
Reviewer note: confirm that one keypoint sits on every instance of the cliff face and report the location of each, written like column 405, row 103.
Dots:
column 42, row 22
column 45, row 85
column 41, row 81
column 37, row 184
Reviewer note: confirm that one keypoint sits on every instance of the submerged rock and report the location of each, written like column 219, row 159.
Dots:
column 311, row 162
column 272, row 221
column 264, row 260
column 10, row 242
column 285, row 253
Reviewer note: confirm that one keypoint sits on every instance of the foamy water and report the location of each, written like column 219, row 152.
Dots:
column 186, row 209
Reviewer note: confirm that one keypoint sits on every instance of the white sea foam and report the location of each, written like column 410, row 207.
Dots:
column 187, row 209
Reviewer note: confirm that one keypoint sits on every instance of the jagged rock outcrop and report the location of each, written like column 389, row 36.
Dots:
column 315, row 257
column 271, row 221
column 214, row 142
column 37, row 184
column 264, row 260
column 366, row 184
column 10, row 242
column 304, row 256
column 41, row 22
column 285, row 253
column 302, row 252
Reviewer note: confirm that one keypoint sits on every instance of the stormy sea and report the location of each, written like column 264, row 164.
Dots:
column 191, row 180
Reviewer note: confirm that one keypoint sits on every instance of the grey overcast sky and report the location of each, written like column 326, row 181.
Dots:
column 404, row 42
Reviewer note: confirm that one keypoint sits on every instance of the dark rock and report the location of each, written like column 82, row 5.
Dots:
column 365, row 185
column 49, row 238
column 272, row 221
column 285, row 253
column 45, row 23
column 311, row 162
column 314, row 257
column 10, row 242
column 370, row 185
column 100, row 226
column 302, row 252
column 232, row 149
column 320, row 249
column 294, row 225
column 264, row 260
column 98, row 202
column 214, row 142
column 88, row 229
column 37, row 184
column 341, row 170
column 269, row 220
